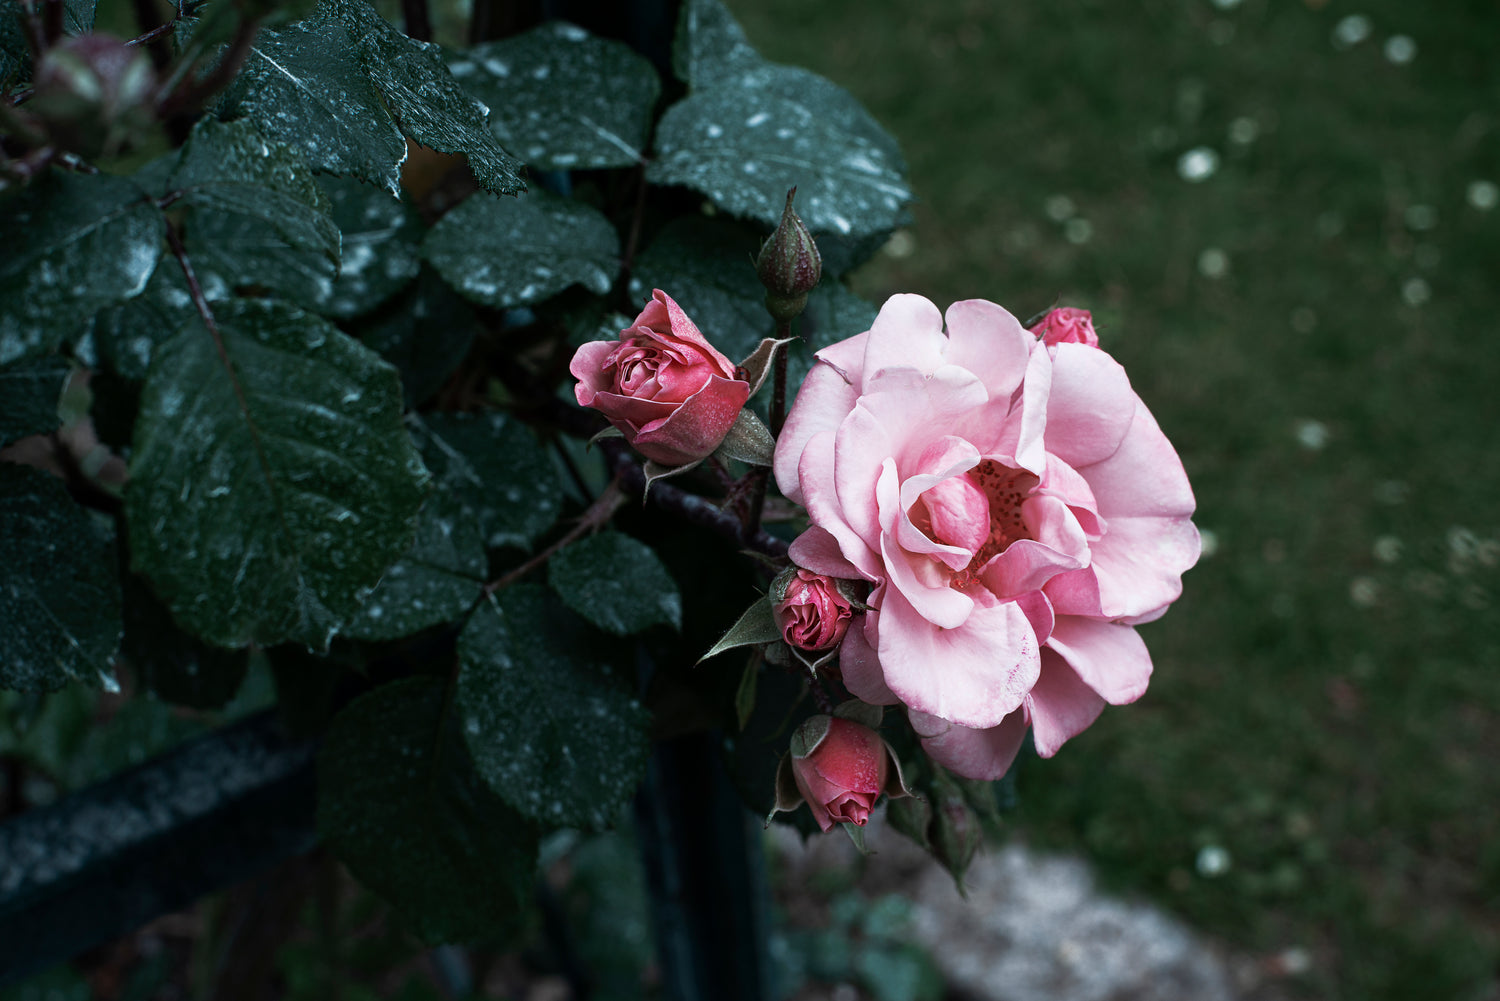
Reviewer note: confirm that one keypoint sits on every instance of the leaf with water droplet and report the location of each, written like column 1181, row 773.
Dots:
column 400, row 804
column 501, row 472
column 562, row 740
column 59, row 595
column 617, row 583
column 241, row 473
column 563, row 99
column 505, row 252
column 381, row 235
column 176, row 667
column 75, row 243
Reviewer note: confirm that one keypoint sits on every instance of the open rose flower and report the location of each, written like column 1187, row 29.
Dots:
column 1016, row 509
column 809, row 610
column 839, row 767
column 669, row 392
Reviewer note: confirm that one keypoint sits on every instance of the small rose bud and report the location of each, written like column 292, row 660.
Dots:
column 93, row 92
column 669, row 392
column 789, row 264
column 839, row 768
column 1067, row 325
column 810, row 610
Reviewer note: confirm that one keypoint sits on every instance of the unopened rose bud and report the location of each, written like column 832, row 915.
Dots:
column 810, row 609
column 839, row 768
column 93, row 92
column 1066, row 325
column 789, row 264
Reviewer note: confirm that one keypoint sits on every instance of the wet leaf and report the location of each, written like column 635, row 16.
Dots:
column 272, row 482
column 501, row 472
column 29, row 394
column 59, row 596
column 552, row 728
column 617, row 583
column 381, row 236
column 400, row 804
column 425, row 333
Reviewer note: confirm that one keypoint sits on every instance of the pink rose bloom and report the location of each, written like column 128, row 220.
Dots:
column 813, row 615
column 841, row 768
column 669, row 392
column 1067, row 326
column 1016, row 509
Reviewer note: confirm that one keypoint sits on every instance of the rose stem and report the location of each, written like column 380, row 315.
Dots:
column 610, row 501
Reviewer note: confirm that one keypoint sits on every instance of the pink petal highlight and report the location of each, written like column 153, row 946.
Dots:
column 908, row 333
column 975, row 754
column 988, row 341
column 1060, row 704
column 1111, row 659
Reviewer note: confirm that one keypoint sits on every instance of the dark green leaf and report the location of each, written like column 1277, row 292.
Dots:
column 59, row 596
column 125, row 336
column 426, row 102
column 256, row 216
column 755, row 625
column 270, row 487
column 563, row 99
column 442, row 574
column 381, row 235
column 515, row 251
column 745, row 144
column 551, row 730
column 74, row 244
column 29, row 394
column 707, row 266
column 710, row 46
column 425, row 333
column 399, row 802
column 503, row 474
column 307, row 87
column 179, row 668
column 617, row 583
column 15, row 54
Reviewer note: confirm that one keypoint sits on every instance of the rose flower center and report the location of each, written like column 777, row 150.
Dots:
column 992, row 495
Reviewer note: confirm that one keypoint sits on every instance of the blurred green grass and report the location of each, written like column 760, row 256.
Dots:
column 1315, row 327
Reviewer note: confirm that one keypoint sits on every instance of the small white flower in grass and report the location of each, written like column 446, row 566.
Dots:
column 1364, row 591
column 901, row 245
column 1060, row 208
column 1078, row 231
column 1209, row 542
column 1198, row 164
column 1243, row 130
column 1213, row 263
column 1350, row 31
column 1400, row 49
column 1312, row 435
column 1387, row 549
column 1483, row 195
column 1416, row 292
column 1212, row 861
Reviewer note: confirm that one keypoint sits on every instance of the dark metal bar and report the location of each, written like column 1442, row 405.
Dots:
column 107, row 859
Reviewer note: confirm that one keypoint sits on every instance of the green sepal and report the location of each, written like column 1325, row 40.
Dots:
column 749, row 441
column 756, row 625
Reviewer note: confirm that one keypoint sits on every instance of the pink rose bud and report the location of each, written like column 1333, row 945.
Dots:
column 810, row 611
column 841, row 767
column 1067, row 326
column 668, row 391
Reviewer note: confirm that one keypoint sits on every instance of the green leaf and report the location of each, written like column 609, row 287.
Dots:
column 59, row 596
column 426, row 102
column 15, row 54
column 563, row 99
column 513, row 252
column 617, row 583
column 707, row 266
column 426, row 333
column 308, row 87
column 552, row 730
column 400, row 804
column 256, row 216
column 90, row 240
column 748, row 441
column 381, row 235
column 756, row 625
column 29, row 393
column 444, row 571
column 744, row 145
column 504, row 475
column 710, row 46
column 271, row 482
column 178, row 668
column 126, row 336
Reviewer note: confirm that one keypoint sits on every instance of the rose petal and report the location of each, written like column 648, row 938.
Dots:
column 987, row 340
column 1143, row 477
column 821, row 405
column 1136, row 570
column 971, row 675
column 697, row 426
column 860, row 667
column 985, row 754
column 1111, row 659
column 1060, row 704
column 1090, row 405
column 908, row 333
column 821, row 500
column 587, row 367
column 817, row 550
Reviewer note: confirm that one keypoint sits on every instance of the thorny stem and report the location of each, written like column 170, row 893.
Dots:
column 778, row 380
column 610, row 501
column 191, row 91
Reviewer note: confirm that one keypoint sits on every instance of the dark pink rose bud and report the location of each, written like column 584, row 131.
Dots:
column 789, row 264
column 841, row 767
column 668, row 391
column 810, row 610
column 1067, row 326
column 93, row 93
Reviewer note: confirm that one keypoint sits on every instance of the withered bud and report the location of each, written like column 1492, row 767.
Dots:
column 789, row 264
column 93, row 92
